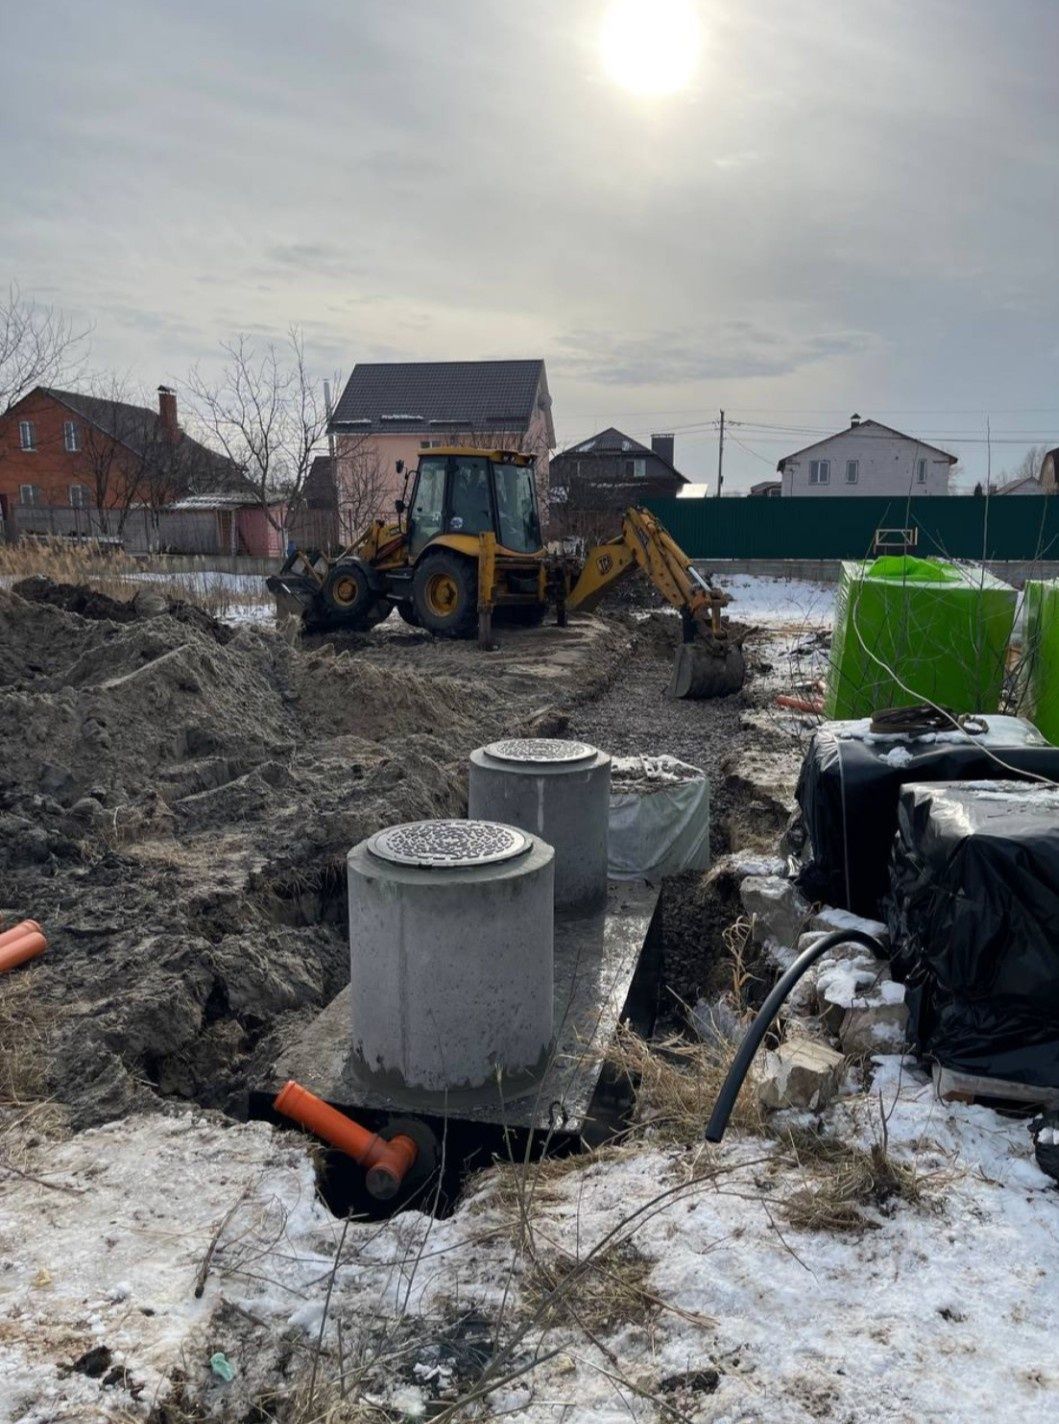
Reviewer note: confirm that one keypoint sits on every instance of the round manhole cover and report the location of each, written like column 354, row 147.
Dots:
column 448, row 843
column 546, row 750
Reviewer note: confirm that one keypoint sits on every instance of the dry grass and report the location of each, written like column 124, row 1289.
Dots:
column 843, row 1179
column 25, row 1028
column 677, row 1084
column 119, row 576
column 603, row 1293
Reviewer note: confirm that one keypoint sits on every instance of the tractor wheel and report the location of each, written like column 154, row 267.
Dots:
column 407, row 611
column 350, row 600
column 445, row 595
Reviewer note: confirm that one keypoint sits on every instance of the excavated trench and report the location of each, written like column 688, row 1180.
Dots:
column 176, row 803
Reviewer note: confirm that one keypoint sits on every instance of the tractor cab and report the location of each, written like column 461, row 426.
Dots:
column 466, row 493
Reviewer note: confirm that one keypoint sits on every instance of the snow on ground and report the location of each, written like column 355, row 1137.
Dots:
column 948, row 1310
column 757, row 598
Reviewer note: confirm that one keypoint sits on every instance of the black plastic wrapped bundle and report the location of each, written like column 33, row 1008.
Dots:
column 974, row 918
column 849, row 786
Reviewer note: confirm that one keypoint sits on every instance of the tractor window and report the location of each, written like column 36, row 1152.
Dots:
column 428, row 504
column 516, row 506
column 470, row 509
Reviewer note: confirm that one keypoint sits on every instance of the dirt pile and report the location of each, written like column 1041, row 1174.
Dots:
column 176, row 808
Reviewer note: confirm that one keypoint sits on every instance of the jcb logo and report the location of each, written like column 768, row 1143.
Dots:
column 603, row 563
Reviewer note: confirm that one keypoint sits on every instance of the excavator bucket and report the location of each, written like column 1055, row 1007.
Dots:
column 707, row 667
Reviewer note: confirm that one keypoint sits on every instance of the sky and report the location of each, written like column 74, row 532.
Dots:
column 835, row 208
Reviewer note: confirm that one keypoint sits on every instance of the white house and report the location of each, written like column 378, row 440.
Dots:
column 868, row 458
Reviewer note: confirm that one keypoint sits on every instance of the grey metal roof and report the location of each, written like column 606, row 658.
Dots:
column 863, row 425
column 435, row 396
column 614, row 442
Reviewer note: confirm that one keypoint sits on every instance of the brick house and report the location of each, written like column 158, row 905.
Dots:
column 601, row 476
column 65, row 450
column 392, row 411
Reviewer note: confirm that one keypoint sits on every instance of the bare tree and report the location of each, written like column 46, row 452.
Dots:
column 1028, row 468
column 38, row 346
column 265, row 413
column 115, row 451
column 362, row 485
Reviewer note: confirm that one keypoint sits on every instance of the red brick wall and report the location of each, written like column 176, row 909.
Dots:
column 51, row 467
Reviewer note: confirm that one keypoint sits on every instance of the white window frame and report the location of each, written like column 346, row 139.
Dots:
column 33, row 491
column 819, row 472
column 636, row 467
column 85, row 500
column 27, row 435
column 71, row 439
column 921, row 472
column 854, row 477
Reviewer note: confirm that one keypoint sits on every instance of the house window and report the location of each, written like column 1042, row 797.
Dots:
column 921, row 472
column 30, row 494
column 635, row 469
column 79, row 497
column 27, row 435
column 852, row 471
column 70, row 440
column 819, row 472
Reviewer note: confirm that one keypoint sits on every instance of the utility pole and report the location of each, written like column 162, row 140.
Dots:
column 720, row 459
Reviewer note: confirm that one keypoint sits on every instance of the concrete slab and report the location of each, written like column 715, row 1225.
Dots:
column 596, row 959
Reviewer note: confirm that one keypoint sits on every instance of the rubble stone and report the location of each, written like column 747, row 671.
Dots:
column 828, row 919
column 800, row 1073
column 877, row 1022
column 779, row 908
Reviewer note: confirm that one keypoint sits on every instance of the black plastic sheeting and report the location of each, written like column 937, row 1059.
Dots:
column 847, row 797
column 974, row 919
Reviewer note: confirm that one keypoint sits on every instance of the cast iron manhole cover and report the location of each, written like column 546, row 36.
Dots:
column 542, row 749
column 452, row 843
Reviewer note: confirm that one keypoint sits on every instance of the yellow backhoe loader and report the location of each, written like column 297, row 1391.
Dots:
column 468, row 546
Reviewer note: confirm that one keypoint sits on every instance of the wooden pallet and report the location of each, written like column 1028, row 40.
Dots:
column 952, row 1086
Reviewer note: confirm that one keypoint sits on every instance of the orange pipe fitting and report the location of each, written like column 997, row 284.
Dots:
column 17, row 931
column 22, row 949
column 386, row 1163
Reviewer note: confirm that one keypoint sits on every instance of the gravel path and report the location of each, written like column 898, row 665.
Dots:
column 634, row 715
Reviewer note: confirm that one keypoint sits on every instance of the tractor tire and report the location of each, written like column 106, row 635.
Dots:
column 349, row 601
column 445, row 595
column 407, row 611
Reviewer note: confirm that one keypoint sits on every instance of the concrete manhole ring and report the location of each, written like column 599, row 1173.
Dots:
column 545, row 750
column 448, row 843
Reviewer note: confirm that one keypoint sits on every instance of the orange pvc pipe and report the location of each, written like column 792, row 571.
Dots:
column 801, row 704
column 17, row 931
column 386, row 1163
column 19, row 951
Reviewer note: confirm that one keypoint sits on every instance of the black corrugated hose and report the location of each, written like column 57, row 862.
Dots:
column 722, row 1108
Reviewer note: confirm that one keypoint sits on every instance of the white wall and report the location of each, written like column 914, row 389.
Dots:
column 886, row 465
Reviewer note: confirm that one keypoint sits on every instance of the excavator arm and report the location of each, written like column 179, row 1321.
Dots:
column 644, row 543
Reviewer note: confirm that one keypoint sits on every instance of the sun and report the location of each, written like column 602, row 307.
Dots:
column 651, row 47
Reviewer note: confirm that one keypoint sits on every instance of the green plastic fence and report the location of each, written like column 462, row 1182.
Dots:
column 908, row 630
column 837, row 527
column 1042, row 655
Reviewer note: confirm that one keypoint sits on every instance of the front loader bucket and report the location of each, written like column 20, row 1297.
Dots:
column 707, row 667
column 295, row 594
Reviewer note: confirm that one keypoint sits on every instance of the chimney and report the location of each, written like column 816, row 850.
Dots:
column 167, row 414
column 854, row 419
column 663, row 445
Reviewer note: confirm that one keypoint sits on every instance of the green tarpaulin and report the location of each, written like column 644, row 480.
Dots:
column 918, row 630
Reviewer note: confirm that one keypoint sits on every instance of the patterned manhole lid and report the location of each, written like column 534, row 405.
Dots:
column 539, row 749
column 452, row 843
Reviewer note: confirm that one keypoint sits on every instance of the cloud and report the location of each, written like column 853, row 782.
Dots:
column 732, row 350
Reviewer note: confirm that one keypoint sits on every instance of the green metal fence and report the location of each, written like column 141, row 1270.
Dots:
column 836, row 527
